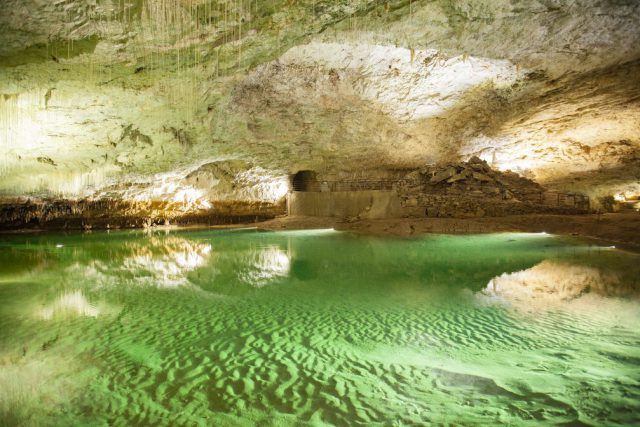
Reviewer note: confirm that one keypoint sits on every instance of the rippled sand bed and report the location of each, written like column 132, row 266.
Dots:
column 317, row 327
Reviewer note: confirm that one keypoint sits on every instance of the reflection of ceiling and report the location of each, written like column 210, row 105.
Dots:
column 162, row 262
column 129, row 97
column 553, row 284
column 70, row 304
column 264, row 266
column 172, row 261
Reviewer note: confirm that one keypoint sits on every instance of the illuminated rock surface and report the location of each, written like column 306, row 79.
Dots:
column 142, row 100
column 140, row 113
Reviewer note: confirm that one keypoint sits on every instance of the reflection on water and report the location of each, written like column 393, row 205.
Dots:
column 182, row 329
column 36, row 382
column 165, row 262
column 553, row 284
column 547, row 283
column 263, row 266
column 171, row 261
column 69, row 304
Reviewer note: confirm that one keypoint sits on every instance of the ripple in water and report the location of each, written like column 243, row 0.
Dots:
column 245, row 328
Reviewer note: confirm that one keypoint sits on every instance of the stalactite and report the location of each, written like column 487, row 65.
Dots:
column 240, row 34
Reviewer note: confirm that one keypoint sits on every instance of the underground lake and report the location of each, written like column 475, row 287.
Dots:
column 318, row 327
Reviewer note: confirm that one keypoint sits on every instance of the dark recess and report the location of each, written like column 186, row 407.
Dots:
column 305, row 180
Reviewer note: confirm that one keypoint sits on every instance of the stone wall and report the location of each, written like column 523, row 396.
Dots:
column 346, row 204
column 458, row 190
column 469, row 207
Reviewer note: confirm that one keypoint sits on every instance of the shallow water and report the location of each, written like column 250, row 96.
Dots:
column 316, row 327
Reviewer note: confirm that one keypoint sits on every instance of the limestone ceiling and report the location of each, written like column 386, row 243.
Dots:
column 108, row 96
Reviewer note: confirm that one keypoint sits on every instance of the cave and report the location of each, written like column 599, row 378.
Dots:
column 319, row 212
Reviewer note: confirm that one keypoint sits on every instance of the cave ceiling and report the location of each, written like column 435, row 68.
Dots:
column 135, row 98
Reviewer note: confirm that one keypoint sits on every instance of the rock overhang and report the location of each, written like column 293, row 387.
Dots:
column 547, row 89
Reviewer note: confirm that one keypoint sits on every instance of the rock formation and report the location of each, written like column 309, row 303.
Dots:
column 474, row 189
column 205, row 102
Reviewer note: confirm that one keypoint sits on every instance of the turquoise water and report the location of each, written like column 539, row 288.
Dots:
column 316, row 328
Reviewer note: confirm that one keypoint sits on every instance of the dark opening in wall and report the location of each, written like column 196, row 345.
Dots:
column 305, row 181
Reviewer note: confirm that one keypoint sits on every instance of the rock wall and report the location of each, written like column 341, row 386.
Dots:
column 115, row 214
column 135, row 100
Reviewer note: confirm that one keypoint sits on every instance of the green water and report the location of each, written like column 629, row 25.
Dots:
column 316, row 328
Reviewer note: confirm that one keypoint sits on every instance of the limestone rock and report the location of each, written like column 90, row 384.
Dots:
column 127, row 99
column 457, row 177
column 481, row 177
column 443, row 175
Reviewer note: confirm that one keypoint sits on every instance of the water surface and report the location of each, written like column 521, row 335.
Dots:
column 317, row 327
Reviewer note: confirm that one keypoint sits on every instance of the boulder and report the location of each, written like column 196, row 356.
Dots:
column 491, row 190
column 457, row 177
column 481, row 177
column 443, row 175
